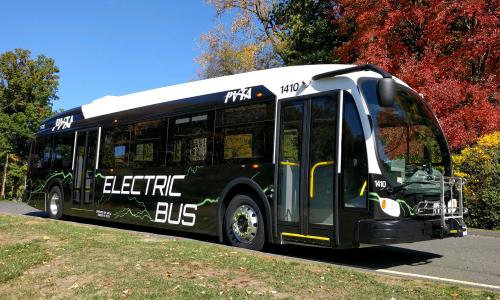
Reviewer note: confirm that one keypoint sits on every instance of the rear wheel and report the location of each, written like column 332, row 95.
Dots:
column 244, row 223
column 54, row 203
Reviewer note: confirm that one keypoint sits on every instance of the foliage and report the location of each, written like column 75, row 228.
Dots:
column 305, row 27
column 249, row 44
column 448, row 50
column 266, row 33
column 27, row 88
column 480, row 165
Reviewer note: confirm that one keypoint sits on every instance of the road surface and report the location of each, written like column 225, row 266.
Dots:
column 473, row 260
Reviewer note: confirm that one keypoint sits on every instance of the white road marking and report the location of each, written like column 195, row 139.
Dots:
column 439, row 279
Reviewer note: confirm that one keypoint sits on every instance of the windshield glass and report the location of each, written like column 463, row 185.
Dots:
column 410, row 143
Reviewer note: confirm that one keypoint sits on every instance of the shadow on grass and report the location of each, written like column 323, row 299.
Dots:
column 40, row 214
column 372, row 258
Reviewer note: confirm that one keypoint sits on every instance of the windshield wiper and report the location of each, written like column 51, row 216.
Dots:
column 404, row 185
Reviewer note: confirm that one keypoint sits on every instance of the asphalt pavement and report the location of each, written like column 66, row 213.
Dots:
column 473, row 260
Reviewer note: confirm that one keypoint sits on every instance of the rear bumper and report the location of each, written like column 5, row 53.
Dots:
column 383, row 232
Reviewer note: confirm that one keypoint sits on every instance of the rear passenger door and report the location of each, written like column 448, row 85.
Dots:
column 85, row 163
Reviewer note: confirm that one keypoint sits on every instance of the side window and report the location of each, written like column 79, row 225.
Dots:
column 42, row 153
column 62, row 153
column 191, row 139
column 148, row 144
column 354, row 160
column 115, row 145
column 244, row 134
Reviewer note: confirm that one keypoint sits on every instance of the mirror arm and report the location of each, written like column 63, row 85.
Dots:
column 366, row 67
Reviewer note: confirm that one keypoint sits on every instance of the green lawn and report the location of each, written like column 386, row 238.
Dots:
column 50, row 259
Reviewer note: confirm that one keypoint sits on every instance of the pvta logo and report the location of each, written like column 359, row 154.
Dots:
column 63, row 123
column 239, row 95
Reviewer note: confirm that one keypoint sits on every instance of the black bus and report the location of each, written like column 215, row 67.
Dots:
column 333, row 156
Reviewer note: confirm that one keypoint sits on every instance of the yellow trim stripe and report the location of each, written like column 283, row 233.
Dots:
column 311, row 177
column 313, row 237
column 362, row 189
column 289, row 163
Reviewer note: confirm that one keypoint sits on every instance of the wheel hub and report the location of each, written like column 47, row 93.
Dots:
column 54, row 204
column 245, row 224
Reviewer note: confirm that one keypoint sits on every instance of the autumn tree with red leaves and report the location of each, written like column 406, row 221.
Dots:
column 447, row 50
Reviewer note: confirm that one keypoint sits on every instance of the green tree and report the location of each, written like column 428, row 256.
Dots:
column 27, row 88
column 480, row 165
column 266, row 33
column 248, row 44
column 308, row 30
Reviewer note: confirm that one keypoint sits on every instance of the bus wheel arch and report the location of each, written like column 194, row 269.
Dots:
column 55, row 196
column 244, row 186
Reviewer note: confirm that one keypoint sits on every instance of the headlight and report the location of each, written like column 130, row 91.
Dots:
column 390, row 207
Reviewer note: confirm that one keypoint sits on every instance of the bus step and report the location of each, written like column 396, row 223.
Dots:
column 300, row 239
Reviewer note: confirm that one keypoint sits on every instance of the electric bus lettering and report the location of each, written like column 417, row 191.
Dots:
column 161, row 185
column 164, row 214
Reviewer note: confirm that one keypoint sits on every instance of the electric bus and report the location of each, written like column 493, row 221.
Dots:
column 337, row 156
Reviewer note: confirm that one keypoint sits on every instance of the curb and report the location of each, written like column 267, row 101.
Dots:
column 484, row 232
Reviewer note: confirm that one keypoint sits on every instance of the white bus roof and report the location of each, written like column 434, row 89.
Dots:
column 272, row 79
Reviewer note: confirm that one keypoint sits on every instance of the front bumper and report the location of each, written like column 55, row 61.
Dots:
column 383, row 232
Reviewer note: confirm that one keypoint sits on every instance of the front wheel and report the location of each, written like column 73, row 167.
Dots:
column 244, row 223
column 54, row 203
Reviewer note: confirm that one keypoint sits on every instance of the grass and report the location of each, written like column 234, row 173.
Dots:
column 51, row 259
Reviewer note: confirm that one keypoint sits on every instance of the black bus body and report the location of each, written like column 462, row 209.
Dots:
column 306, row 161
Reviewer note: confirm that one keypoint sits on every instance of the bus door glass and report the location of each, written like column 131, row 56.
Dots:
column 353, row 174
column 84, row 168
column 306, row 168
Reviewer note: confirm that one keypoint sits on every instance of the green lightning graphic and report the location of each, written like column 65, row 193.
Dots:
column 193, row 170
column 267, row 188
column 373, row 197
column 208, row 201
column 102, row 200
column 41, row 184
column 142, row 214
column 404, row 206
column 255, row 175
column 99, row 175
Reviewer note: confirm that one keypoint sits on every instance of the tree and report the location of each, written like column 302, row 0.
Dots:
column 249, row 44
column 27, row 88
column 266, row 33
column 307, row 30
column 447, row 50
column 479, row 164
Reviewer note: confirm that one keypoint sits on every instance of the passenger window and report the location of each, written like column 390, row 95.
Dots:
column 354, row 160
column 244, row 134
column 63, row 151
column 41, row 155
column 115, row 146
column 192, row 138
column 148, row 145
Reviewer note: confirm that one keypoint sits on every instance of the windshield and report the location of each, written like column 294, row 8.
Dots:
column 410, row 143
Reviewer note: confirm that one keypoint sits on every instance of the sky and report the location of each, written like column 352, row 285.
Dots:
column 109, row 47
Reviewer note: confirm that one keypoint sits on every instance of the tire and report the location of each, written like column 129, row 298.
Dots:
column 244, row 223
column 54, row 203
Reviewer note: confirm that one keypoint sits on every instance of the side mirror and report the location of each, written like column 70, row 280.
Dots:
column 386, row 91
